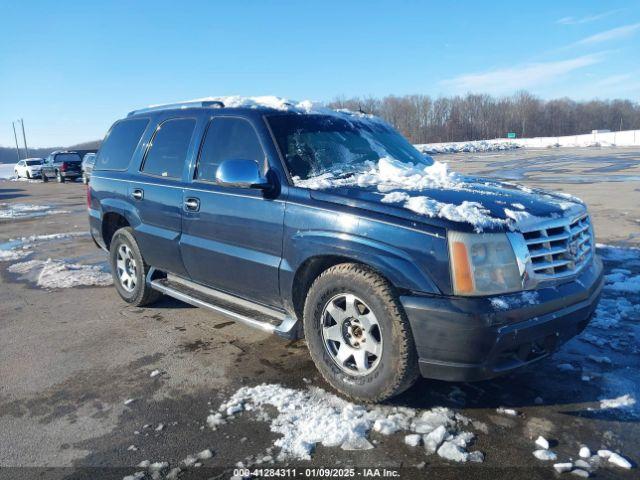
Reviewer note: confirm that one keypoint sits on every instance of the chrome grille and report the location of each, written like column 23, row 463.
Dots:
column 560, row 248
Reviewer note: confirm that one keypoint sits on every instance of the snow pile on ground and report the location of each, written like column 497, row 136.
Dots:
column 61, row 274
column 615, row 304
column 627, row 138
column 471, row 146
column 24, row 210
column 6, row 170
column 305, row 418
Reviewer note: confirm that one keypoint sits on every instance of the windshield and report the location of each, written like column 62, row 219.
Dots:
column 316, row 144
column 34, row 162
column 67, row 157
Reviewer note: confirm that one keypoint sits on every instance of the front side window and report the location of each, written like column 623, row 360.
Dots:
column 227, row 138
column 168, row 149
column 316, row 144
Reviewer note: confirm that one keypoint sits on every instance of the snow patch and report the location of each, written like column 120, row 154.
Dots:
column 305, row 418
column 626, row 400
column 13, row 211
column 62, row 274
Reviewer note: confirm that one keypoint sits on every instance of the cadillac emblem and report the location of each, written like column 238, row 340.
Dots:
column 572, row 249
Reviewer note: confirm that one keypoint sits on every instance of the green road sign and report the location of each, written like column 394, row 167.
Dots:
column 511, row 135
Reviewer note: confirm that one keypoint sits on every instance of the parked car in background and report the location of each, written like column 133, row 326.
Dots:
column 88, row 162
column 28, row 168
column 62, row 165
column 329, row 225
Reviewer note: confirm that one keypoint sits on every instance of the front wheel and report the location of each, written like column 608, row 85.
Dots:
column 358, row 334
column 28, row 175
column 85, row 180
column 129, row 269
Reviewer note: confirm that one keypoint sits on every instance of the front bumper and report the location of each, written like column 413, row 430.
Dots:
column 469, row 339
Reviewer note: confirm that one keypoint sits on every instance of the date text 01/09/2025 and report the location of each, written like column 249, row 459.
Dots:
column 316, row 473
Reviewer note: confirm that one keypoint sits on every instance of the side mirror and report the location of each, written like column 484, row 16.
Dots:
column 242, row 174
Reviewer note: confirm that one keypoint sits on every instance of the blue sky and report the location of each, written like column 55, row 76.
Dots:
column 70, row 68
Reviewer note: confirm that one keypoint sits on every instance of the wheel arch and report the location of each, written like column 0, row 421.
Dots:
column 112, row 222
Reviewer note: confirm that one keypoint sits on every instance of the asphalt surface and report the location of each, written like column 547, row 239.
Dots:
column 70, row 358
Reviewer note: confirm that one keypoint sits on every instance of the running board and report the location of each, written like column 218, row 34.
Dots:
column 243, row 311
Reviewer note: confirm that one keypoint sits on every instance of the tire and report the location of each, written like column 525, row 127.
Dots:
column 45, row 179
column 135, row 291
column 85, row 180
column 16, row 173
column 391, row 372
column 60, row 178
column 28, row 175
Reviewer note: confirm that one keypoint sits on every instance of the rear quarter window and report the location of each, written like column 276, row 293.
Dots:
column 120, row 144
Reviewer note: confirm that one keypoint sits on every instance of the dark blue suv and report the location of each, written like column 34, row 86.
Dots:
column 329, row 225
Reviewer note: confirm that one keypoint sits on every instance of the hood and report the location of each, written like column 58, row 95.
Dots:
column 471, row 204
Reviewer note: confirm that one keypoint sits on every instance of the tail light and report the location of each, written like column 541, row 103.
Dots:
column 63, row 167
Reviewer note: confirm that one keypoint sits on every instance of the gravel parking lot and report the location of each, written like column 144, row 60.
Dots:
column 91, row 387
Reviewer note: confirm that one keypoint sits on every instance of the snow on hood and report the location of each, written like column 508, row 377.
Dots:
column 400, row 183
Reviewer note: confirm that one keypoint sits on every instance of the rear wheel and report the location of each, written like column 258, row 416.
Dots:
column 28, row 175
column 85, row 180
column 45, row 179
column 358, row 334
column 129, row 269
column 59, row 177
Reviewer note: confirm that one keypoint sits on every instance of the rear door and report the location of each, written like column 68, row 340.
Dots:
column 232, row 237
column 157, row 193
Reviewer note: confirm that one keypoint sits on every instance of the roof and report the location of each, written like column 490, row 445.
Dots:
column 270, row 103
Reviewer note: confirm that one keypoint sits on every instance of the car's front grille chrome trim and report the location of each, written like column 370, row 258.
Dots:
column 559, row 248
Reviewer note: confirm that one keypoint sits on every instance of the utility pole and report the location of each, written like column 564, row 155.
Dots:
column 13, row 124
column 24, row 137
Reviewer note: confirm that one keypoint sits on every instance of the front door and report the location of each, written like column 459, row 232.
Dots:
column 232, row 237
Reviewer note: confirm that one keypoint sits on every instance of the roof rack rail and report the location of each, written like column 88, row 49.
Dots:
column 180, row 105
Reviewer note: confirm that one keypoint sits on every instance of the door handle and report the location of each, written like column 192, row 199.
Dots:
column 192, row 204
column 137, row 194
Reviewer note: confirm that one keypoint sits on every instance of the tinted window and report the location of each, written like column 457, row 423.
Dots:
column 227, row 138
column 34, row 162
column 121, row 141
column 67, row 157
column 168, row 150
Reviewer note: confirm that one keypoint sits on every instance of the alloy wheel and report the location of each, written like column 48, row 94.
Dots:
column 351, row 334
column 126, row 268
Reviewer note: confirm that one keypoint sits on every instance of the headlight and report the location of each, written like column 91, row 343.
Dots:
column 483, row 264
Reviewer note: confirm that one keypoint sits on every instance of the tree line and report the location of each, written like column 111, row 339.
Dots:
column 423, row 119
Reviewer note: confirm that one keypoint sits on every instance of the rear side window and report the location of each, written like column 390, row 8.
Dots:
column 168, row 150
column 227, row 138
column 121, row 141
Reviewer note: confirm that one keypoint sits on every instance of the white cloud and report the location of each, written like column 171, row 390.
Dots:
column 613, row 34
column 587, row 19
column 523, row 76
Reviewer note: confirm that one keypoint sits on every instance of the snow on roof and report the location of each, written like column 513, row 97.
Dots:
column 268, row 101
